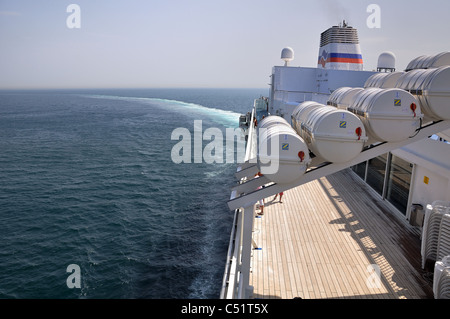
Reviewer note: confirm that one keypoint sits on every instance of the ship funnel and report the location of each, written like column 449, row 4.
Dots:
column 287, row 55
column 339, row 49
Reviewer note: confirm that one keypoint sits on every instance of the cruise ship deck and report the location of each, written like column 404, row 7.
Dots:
column 323, row 239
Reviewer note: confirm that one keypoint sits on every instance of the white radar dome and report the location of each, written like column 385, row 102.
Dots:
column 386, row 60
column 287, row 55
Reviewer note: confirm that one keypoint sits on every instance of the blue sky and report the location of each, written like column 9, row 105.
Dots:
column 197, row 43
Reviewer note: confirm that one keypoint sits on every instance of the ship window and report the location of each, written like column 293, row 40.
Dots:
column 376, row 171
column 360, row 170
column 397, row 190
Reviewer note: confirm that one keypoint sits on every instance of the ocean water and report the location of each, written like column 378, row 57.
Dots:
column 86, row 178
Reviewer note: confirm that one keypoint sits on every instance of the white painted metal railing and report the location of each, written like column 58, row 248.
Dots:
column 235, row 283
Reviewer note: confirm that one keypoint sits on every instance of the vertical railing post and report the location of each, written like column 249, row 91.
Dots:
column 233, row 279
column 245, row 290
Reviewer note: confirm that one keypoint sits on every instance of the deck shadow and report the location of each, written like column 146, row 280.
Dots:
column 390, row 231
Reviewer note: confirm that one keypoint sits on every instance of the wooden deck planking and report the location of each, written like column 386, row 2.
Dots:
column 319, row 242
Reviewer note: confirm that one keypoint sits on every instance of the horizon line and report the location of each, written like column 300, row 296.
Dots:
column 126, row 88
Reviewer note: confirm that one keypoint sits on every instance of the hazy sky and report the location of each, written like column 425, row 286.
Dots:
column 197, row 43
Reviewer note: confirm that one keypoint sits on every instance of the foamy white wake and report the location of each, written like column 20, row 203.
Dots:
column 223, row 117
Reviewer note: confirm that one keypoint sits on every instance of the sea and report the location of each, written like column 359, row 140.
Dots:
column 92, row 204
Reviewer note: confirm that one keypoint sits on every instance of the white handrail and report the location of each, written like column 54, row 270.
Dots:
column 231, row 283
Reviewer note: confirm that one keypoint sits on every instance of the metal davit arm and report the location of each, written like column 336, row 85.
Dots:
column 249, row 195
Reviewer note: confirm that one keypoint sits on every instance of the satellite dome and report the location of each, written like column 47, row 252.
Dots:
column 287, row 55
column 386, row 61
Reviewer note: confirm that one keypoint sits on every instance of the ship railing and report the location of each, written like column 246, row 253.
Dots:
column 232, row 285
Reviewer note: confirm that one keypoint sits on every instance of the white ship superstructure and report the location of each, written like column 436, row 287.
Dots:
column 389, row 128
column 340, row 64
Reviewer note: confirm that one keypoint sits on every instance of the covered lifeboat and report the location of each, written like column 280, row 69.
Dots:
column 389, row 115
column 333, row 134
column 283, row 156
